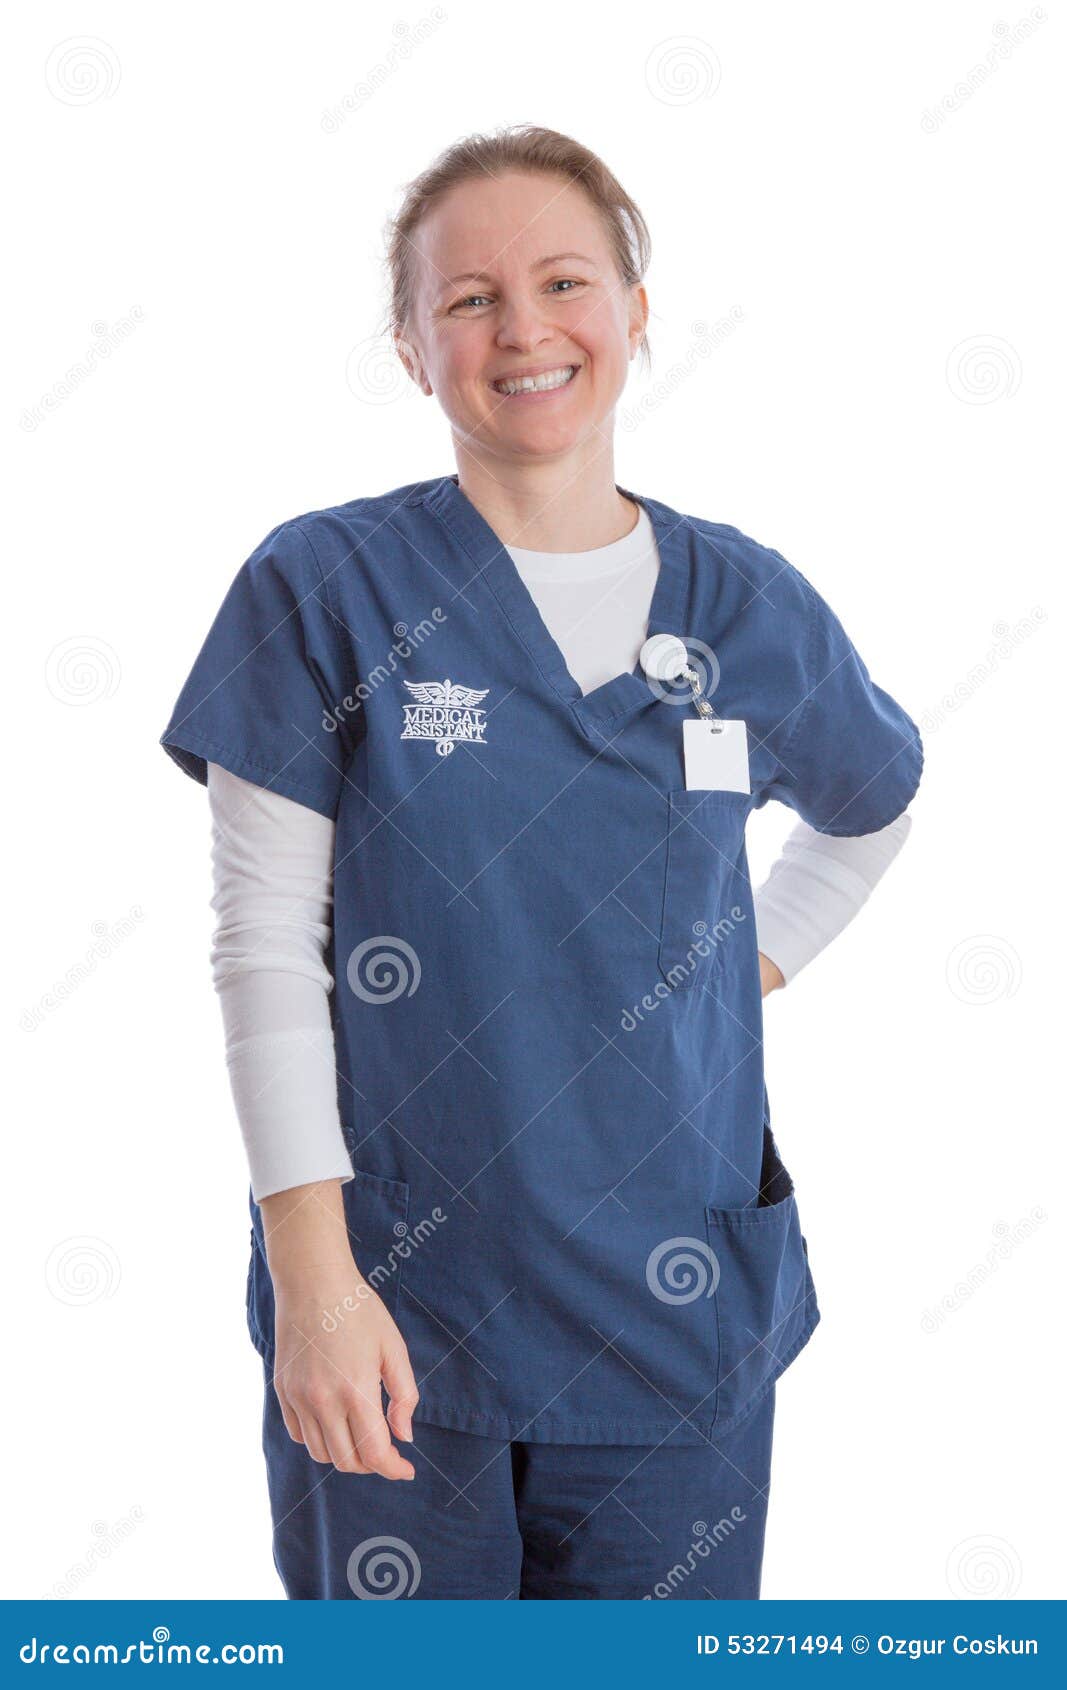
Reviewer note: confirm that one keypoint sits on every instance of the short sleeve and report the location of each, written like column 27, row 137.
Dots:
column 853, row 758
column 261, row 697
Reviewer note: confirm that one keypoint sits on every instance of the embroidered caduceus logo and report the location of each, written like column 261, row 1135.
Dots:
column 444, row 712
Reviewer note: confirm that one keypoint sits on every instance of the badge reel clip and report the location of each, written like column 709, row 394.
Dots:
column 664, row 658
column 716, row 751
column 701, row 704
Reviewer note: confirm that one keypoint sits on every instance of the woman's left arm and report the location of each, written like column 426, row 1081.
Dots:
column 815, row 888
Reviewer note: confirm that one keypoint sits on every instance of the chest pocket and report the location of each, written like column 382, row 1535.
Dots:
column 705, row 844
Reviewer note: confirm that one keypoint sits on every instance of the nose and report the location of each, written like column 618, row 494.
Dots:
column 523, row 324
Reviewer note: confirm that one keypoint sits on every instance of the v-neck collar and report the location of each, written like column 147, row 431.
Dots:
column 610, row 703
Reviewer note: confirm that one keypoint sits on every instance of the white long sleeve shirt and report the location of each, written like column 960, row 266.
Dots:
column 272, row 862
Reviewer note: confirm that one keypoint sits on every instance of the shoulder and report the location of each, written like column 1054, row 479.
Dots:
column 308, row 548
column 736, row 568
column 360, row 515
column 331, row 535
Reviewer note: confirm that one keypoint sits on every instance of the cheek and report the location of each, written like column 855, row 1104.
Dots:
column 462, row 366
column 603, row 335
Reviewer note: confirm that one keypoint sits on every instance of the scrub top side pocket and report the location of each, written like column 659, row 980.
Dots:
column 765, row 1300
column 705, row 841
column 376, row 1215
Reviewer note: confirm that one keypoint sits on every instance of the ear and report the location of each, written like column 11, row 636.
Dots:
column 638, row 316
column 408, row 353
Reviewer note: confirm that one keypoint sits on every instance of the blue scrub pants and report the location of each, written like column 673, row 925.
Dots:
column 489, row 1519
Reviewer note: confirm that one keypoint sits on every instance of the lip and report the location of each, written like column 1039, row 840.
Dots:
column 535, row 370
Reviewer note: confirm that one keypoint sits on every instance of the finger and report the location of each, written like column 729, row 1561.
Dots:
column 291, row 1419
column 395, row 1468
column 313, row 1438
column 399, row 1382
column 341, row 1444
column 376, row 1448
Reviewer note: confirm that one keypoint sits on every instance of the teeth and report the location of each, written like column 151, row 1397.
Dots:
column 537, row 384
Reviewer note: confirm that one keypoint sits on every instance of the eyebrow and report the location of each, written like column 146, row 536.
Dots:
column 553, row 258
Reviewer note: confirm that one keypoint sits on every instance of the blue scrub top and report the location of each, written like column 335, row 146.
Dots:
column 547, row 1007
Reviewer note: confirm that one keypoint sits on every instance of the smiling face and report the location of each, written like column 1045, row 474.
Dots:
column 516, row 279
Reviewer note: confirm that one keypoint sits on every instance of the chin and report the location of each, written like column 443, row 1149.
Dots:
column 542, row 446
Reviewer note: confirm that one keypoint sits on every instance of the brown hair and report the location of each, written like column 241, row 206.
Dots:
column 527, row 148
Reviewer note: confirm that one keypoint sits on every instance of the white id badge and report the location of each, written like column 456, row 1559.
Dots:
column 716, row 755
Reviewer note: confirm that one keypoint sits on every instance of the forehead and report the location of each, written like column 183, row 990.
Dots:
column 503, row 226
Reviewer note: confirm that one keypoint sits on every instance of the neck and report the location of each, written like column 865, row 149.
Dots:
column 570, row 504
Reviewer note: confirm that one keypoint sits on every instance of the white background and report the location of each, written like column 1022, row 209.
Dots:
column 885, row 412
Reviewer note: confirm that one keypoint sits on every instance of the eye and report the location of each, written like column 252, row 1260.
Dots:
column 474, row 299
column 471, row 299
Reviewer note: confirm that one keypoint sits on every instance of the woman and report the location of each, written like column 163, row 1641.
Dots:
column 521, row 1172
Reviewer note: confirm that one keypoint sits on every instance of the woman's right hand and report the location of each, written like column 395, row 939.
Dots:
column 770, row 975
column 335, row 1341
